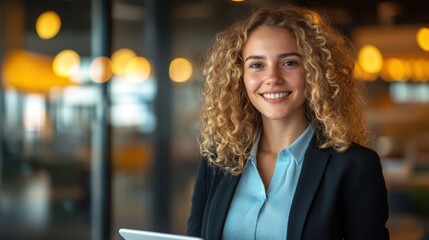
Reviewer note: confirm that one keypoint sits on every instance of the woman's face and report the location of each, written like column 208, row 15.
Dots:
column 274, row 74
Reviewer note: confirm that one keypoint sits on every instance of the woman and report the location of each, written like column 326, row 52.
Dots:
column 283, row 137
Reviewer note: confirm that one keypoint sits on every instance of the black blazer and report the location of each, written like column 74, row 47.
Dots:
column 338, row 196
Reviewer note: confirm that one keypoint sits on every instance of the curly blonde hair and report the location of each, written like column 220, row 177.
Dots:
column 229, row 121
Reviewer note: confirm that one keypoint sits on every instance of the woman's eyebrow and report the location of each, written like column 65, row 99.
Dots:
column 283, row 55
column 290, row 54
column 257, row 57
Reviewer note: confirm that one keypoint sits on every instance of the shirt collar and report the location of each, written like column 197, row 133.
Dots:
column 254, row 150
column 296, row 149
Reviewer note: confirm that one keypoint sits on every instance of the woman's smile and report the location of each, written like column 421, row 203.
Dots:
column 276, row 95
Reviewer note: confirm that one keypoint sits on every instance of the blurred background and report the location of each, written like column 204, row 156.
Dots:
column 99, row 102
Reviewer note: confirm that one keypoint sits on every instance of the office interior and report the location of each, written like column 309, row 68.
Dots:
column 99, row 109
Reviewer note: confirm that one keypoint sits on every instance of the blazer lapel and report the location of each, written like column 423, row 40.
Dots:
column 222, row 200
column 312, row 172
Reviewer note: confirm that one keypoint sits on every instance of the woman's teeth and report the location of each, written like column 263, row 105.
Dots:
column 276, row 95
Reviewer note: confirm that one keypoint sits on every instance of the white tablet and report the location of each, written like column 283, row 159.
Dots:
column 132, row 234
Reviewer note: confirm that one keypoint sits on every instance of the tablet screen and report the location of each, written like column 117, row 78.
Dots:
column 132, row 234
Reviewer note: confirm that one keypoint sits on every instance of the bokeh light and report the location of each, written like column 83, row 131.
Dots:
column 370, row 59
column 180, row 70
column 418, row 66
column 362, row 75
column 396, row 69
column 423, row 38
column 100, row 70
column 31, row 72
column 66, row 63
column 120, row 59
column 138, row 70
column 425, row 63
column 48, row 24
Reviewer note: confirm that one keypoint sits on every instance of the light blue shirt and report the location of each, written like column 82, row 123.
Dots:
column 256, row 214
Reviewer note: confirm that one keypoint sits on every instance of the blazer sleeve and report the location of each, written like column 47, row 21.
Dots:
column 199, row 199
column 366, row 210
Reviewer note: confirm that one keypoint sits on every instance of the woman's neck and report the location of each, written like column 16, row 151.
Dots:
column 277, row 135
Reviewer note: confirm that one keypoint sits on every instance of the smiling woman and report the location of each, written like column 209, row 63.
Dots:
column 280, row 159
column 274, row 79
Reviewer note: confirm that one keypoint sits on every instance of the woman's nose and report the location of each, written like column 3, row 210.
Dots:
column 274, row 76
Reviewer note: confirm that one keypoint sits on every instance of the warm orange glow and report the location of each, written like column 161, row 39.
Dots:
column 180, row 70
column 48, row 25
column 66, row 63
column 423, row 38
column 396, row 69
column 400, row 69
column 31, row 72
column 362, row 75
column 370, row 59
column 237, row 0
column 138, row 70
column 425, row 63
column 120, row 59
column 418, row 67
column 100, row 70
column 408, row 69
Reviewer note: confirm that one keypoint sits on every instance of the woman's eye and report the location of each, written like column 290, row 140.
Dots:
column 290, row 63
column 255, row 65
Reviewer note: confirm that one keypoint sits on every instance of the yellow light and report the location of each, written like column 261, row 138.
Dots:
column 138, row 69
column 408, row 69
column 100, row 70
column 362, row 75
column 48, row 25
column 396, row 69
column 31, row 72
column 418, row 69
column 66, row 63
column 423, row 38
column 120, row 59
column 384, row 73
column 426, row 70
column 180, row 70
column 237, row 0
column 370, row 59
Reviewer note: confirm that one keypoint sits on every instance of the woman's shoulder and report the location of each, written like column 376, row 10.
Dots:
column 355, row 149
column 212, row 169
column 354, row 163
column 355, row 155
column 358, row 149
